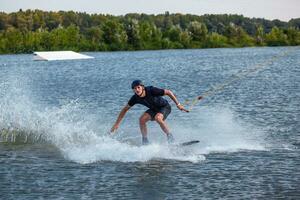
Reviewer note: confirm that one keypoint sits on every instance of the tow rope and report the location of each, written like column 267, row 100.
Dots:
column 235, row 77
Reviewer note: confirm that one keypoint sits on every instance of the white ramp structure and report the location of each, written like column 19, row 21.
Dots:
column 59, row 55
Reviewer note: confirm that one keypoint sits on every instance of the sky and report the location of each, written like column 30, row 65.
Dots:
column 269, row 9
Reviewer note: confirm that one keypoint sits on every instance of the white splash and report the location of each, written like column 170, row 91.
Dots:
column 72, row 130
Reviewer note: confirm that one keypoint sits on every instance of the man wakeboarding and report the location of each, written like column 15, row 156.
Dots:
column 159, row 108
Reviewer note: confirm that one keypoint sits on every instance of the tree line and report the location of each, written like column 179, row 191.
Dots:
column 36, row 30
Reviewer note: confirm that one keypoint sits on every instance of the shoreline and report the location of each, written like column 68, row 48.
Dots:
column 128, row 51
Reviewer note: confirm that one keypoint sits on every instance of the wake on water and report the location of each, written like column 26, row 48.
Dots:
column 82, row 138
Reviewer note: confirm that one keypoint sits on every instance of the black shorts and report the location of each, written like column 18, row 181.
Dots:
column 166, row 110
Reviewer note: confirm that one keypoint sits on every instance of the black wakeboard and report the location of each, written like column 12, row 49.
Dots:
column 189, row 143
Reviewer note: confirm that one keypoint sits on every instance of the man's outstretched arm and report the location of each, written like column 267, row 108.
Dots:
column 120, row 117
column 173, row 97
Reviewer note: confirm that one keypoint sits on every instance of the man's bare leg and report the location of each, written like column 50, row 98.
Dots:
column 143, row 120
column 159, row 118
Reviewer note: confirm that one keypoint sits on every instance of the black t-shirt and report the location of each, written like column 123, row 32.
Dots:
column 152, row 100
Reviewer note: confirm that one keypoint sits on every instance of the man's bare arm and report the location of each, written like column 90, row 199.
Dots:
column 120, row 117
column 173, row 97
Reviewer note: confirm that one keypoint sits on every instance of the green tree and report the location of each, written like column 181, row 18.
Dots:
column 216, row 40
column 31, row 30
column 259, row 35
column 94, row 39
column 198, row 31
column 151, row 36
column 133, row 34
column 13, row 41
column 114, row 35
column 38, row 20
column 69, row 18
column 65, row 39
column 237, row 36
column 4, row 23
column 52, row 21
column 46, row 40
column 243, row 39
column 276, row 37
column 3, row 44
column 166, row 43
column 231, row 34
column 185, row 39
column 32, row 41
column 174, row 33
column 293, row 36
column 167, row 21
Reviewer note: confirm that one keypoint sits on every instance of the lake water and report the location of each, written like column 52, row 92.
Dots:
column 54, row 119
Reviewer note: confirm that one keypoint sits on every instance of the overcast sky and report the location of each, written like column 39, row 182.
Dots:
column 268, row 9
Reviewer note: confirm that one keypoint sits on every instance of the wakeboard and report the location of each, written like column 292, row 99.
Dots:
column 189, row 143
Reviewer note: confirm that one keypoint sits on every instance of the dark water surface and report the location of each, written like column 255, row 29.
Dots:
column 54, row 118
